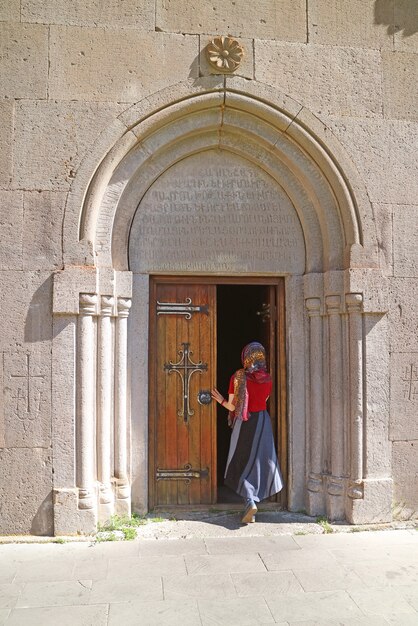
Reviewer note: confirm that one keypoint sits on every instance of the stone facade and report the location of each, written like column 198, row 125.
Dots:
column 105, row 107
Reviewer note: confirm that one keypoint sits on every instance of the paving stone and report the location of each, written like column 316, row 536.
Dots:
column 172, row 547
column 158, row 613
column 379, row 602
column 64, row 616
column 313, row 606
column 203, row 586
column 360, row 554
column 55, row 593
column 226, row 563
column 9, row 594
column 118, row 589
column 138, row 14
column 4, row 614
column 43, row 571
column 23, row 60
column 410, row 594
column 384, row 574
column 102, row 66
column 243, row 611
column 266, row 583
column 286, row 20
column 329, row 579
column 146, row 565
column 370, row 620
column 327, row 80
column 7, row 573
column 241, row 545
column 90, row 569
column 297, row 559
column 340, row 23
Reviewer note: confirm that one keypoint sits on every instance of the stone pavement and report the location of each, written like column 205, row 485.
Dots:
column 231, row 578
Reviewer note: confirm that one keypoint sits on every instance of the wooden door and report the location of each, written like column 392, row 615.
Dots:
column 183, row 418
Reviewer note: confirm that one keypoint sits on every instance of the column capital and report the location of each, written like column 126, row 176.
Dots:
column 333, row 304
column 106, row 305
column 88, row 304
column 124, row 306
column 313, row 306
column 354, row 302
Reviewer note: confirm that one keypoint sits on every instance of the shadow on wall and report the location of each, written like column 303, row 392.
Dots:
column 38, row 323
column 42, row 523
column 400, row 16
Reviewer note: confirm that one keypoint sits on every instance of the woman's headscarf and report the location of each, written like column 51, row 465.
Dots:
column 253, row 358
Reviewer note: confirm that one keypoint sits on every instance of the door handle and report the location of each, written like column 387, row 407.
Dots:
column 204, row 397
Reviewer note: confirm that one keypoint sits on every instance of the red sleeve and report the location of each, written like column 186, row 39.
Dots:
column 231, row 384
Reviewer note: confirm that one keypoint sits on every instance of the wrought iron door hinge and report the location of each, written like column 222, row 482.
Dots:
column 186, row 474
column 181, row 308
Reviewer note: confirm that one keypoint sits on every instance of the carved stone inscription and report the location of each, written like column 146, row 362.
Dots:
column 404, row 395
column 26, row 401
column 216, row 212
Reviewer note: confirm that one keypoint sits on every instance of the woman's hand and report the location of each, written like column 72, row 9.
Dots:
column 217, row 396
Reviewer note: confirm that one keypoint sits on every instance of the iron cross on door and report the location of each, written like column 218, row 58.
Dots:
column 183, row 435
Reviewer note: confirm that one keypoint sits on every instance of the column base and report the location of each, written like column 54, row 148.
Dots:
column 68, row 518
column 315, row 495
column 123, row 498
column 376, row 504
column 335, row 498
column 106, row 503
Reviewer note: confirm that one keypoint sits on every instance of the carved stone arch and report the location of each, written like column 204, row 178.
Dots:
column 335, row 302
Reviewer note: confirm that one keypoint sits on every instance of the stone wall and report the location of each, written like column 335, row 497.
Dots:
column 69, row 68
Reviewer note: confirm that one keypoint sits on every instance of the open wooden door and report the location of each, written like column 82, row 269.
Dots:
column 183, row 417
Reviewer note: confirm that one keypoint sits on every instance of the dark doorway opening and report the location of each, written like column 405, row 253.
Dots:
column 243, row 315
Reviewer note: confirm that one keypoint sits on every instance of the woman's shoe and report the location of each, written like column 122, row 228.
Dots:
column 249, row 513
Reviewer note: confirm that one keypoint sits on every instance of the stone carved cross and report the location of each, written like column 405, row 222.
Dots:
column 185, row 367
column 410, row 378
column 28, row 399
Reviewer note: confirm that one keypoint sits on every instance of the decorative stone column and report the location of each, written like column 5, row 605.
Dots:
column 354, row 302
column 104, row 407
column 123, row 492
column 86, row 385
column 316, row 409
column 335, row 481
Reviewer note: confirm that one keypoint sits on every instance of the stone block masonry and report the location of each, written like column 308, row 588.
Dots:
column 75, row 76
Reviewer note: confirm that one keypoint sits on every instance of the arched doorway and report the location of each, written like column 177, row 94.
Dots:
column 328, row 260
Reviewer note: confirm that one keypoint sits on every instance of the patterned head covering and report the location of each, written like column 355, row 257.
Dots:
column 253, row 358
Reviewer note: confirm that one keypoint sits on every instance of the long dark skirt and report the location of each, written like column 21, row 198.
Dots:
column 252, row 468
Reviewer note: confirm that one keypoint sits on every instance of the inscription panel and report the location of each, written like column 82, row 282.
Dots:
column 404, row 396
column 215, row 212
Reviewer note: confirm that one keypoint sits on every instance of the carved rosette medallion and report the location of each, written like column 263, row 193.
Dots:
column 224, row 54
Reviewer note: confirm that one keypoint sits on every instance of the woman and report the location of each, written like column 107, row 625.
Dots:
column 252, row 468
